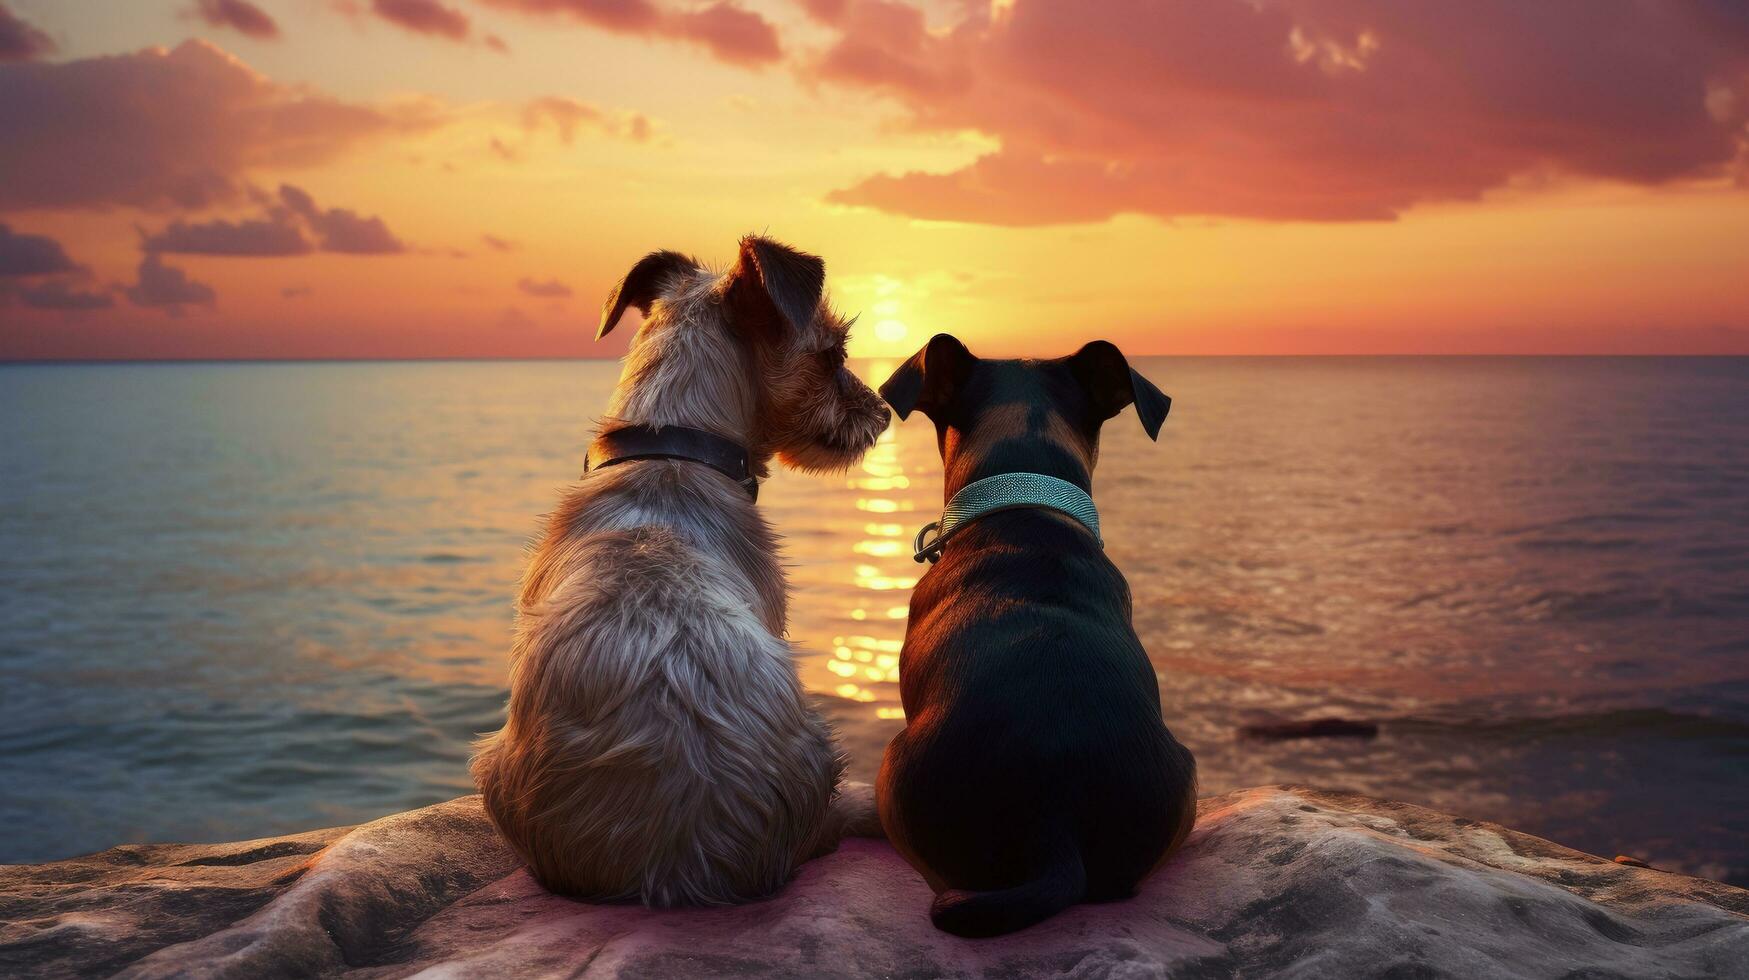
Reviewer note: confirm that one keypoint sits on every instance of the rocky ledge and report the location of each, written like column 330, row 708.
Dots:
column 1281, row 881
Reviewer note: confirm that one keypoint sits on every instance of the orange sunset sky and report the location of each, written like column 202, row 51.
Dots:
column 467, row 178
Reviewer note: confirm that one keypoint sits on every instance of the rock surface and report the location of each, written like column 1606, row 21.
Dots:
column 1274, row 882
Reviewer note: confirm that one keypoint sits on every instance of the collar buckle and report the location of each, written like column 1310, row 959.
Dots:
column 930, row 552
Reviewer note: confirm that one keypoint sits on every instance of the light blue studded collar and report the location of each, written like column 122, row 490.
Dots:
column 1005, row 491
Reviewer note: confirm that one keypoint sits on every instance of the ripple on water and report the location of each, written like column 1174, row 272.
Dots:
column 297, row 613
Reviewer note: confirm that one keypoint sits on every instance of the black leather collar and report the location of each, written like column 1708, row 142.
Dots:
column 633, row 442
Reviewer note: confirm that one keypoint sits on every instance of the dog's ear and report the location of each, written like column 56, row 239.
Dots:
column 774, row 290
column 928, row 381
column 1112, row 384
column 641, row 286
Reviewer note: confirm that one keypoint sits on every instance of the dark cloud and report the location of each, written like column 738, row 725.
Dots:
column 340, row 229
column 167, row 287
column 496, row 43
column 19, row 41
column 297, row 292
column 498, row 244
column 298, row 199
column 238, row 15
column 156, row 128
column 36, row 272
column 731, row 33
column 58, row 294
column 547, row 289
column 291, row 224
column 424, row 17
column 31, row 255
column 279, row 233
column 1295, row 109
column 346, row 231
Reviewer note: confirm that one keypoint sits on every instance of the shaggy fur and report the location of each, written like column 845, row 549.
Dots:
column 659, row 746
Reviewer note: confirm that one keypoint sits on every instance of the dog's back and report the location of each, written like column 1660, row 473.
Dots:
column 1040, row 775
column 1034, row 770
column 658, row 744
column 666, row 753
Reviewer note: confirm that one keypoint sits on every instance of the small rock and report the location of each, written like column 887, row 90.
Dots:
column 1632, row 862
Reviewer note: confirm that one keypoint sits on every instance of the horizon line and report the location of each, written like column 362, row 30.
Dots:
column 73, row 361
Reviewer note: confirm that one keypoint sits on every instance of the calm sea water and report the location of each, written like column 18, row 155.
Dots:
column 240, row 600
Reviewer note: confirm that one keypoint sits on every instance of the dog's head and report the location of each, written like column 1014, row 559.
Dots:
column 1021, row 415
column 757, row 348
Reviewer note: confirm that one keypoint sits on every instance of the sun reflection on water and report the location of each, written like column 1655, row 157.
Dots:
column 865, row 663
column 879, row 549
column 881, row 483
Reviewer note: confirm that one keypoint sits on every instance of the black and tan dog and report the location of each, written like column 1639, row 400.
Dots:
column 1034, row 771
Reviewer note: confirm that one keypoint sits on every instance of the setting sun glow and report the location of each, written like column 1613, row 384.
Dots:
column 467, row 178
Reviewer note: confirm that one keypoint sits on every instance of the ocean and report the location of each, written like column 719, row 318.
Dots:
column 238, row 600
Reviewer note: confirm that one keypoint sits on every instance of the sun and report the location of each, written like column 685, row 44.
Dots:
column 890, row 331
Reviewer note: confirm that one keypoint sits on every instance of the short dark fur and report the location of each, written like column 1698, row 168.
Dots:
column 1034, row 771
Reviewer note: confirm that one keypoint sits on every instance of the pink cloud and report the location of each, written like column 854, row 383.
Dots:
column 19, row 40
column 737, row 36
column 613, row 15
column 238, row 15
column 826, row 11
column 1298, row 109
column 158, row 128
column 732, row 33
column 567, row 116
column 885, row 44
column 549, row 288
column 424, row 17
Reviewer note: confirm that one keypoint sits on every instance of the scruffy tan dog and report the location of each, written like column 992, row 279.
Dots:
column 659, row 745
